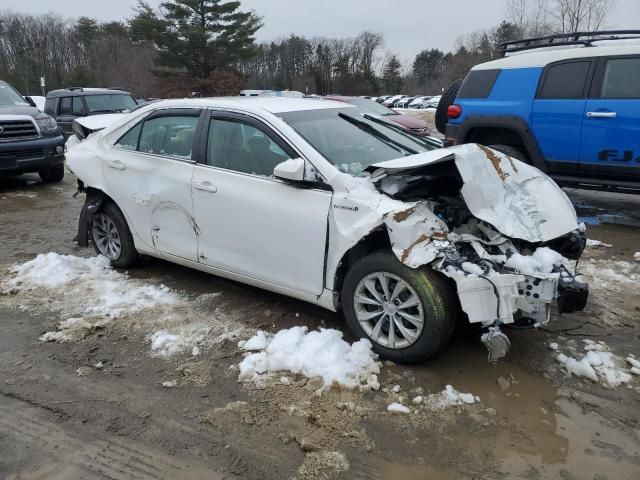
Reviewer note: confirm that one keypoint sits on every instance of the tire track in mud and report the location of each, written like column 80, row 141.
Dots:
column 113, row 458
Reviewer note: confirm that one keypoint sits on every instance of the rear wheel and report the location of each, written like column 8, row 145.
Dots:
column 112, row 238
column 511, row 151
column 407, row 314
column 447, row 99
column 53, row 174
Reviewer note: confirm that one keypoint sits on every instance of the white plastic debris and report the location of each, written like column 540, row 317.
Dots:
column 398, row 408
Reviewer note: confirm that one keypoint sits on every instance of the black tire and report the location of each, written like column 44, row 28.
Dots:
column 52, row 174
column 436, row 296
column 511, row 151
column 447, row 99
column 128, row 254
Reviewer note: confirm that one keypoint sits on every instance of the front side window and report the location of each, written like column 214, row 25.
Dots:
column 241, row 147
column 170, row 136
column 566, row 80
column 621, row 78
column 352, row 139
column 110, row 103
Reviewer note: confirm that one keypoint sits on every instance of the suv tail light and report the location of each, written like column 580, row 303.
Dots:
column 454, row 111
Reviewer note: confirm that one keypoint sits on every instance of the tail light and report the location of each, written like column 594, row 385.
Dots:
column 454, row 111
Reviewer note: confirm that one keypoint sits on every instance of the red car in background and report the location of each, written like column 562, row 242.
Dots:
column 412, row 124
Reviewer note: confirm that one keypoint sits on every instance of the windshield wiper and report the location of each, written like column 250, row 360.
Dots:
column 401, row 131
column 377, row 133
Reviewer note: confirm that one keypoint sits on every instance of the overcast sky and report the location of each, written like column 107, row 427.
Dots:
column 408, row 26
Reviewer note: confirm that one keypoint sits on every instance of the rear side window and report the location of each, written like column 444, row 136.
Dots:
column 621, row 78
column 169, row 136
column 65, row 106
column 78, row 106
column 565, row 80
column 50, row 106
column 478, row 84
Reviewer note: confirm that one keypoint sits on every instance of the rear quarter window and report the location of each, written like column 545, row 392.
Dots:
column 565, row 80
column 478, row 83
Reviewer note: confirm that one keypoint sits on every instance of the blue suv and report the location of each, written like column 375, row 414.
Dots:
column 572, row 112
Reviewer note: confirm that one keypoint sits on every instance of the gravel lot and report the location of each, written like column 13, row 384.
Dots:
column 103, row 405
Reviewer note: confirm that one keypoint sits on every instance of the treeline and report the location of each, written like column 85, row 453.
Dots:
column 208, row 47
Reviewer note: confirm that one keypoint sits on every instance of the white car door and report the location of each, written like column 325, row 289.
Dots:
column 148, row 174
column 251, row 223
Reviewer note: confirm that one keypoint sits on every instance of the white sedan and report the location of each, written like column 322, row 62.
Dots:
column 333, row 205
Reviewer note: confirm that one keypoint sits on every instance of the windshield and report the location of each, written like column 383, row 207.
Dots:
column 374, row 107
column 352, row 139
column 9, row 97
column 109, row 103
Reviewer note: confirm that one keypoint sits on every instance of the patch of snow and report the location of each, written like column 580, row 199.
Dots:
column 597, row 243
column 313, row 354
column 170, row 384
column 449, row 397
column 553, row 346
column 636, row 256
column 396, row 389
column 418, row 400
column 598, row 364
column 258, row 342
column 541, row 261
column 398, row 408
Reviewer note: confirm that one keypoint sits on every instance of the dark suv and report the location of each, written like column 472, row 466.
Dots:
column 67, row 104
column 30, row 141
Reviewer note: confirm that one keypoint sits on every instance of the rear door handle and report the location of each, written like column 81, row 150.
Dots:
column 116, row 165
column 205, row 187
column 602, row 114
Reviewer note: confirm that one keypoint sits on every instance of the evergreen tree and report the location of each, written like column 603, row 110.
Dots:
column 198, row 35
column 391, row 75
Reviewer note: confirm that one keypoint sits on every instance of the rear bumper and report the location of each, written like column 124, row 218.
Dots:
column 31, row 155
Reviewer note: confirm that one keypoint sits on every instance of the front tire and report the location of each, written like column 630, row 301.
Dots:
column 53, row 174
column 112, row 238
column 407, row 314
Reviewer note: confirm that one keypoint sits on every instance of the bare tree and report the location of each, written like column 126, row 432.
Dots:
column 581, row 15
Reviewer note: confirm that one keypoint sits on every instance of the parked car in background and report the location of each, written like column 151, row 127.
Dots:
column 572, row 112
column 432, row 102
column 419, row 102
column 382, row 98
column 30, row 140
column 412, row 124
column 404, row 102
column 67, row 104
column 202, row 183
column 391, row 100
column 39, row 101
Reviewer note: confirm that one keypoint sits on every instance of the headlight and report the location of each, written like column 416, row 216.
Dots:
column 47, row 125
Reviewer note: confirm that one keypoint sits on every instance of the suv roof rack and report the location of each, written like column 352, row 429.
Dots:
column 74, row 89
column 117, row 88
column 564, row 39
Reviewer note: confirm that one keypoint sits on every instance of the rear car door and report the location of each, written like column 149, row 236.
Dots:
column 148, row 174
column 251, row 223
column 558, row 111
column 611, row 131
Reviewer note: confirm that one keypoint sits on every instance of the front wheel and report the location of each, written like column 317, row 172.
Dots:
column 52, row 174
column 407, row 314
column 112, row 238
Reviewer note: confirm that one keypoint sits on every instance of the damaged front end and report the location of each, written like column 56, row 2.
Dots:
column 500, row 229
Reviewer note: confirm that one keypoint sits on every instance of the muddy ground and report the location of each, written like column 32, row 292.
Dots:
column 63, row 417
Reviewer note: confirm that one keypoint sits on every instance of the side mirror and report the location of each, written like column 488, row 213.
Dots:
column 30, row 101
column 292, row 170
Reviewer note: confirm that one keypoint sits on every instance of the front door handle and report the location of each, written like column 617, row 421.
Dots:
column 116, row 165
column 205, row 187
column 602, row 114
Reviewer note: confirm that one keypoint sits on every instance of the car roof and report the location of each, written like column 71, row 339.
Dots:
column 273, row 105
column 79, row 91
column 541, row 58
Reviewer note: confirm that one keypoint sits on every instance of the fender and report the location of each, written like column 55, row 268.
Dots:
column 457, row 134
column 93, row 203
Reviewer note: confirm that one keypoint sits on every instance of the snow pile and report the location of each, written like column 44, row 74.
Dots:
column 598, row 364
column 636, row 256
column 398, row 408
column 448, row 398
column 635, row 364
column 313, row 354
column 608, row 273
column 90, row 295
column 541, row 261
column 110, row 293
column 597, row 243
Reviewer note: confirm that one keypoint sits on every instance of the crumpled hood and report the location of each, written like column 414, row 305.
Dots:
column 98, row 122
column 515, row 198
